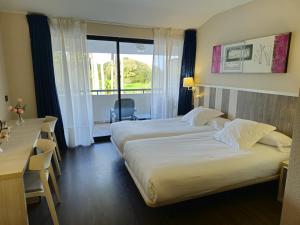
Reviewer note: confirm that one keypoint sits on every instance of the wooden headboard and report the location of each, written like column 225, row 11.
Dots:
column 277, row 109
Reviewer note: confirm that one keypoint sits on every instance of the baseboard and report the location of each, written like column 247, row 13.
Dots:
column 102, row 139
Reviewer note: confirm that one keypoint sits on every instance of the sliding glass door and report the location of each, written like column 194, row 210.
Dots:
column 121, row 73
column 136, row 75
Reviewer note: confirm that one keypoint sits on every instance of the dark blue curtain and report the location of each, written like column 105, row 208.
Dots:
column 45, row 89
column 187, row 70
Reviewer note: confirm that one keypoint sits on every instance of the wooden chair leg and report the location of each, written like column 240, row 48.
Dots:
column 54, row 183
column 58, row 153
column 56, row 163
column 49, row 200
column 56, row 148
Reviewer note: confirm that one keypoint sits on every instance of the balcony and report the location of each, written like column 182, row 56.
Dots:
column 104, row 100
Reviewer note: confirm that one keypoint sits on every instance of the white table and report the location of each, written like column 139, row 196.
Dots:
column 282, row 179
column 13, row 163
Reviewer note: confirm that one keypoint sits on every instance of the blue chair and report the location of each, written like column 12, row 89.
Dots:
column 127, row 110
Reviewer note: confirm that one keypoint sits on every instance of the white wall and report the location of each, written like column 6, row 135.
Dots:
column 256, row 19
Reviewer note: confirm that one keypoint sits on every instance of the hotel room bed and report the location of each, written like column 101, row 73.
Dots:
column 174, row 169
column 122, row 132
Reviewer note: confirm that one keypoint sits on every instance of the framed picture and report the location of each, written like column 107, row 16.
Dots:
column 232, row 58
column 260, row 55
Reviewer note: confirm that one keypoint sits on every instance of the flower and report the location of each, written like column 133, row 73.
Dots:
column 19, row 108
column 20, row 111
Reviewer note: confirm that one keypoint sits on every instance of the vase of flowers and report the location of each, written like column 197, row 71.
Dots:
column 4, row 133
column 19, row 109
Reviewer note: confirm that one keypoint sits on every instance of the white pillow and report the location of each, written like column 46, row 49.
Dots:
column 243, row 133
column 200, row 116
column 191, row 114
column 276, row 139
column 218, row 123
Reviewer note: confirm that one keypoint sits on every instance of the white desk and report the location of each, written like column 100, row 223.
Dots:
column 282, row 179
column 13, row 163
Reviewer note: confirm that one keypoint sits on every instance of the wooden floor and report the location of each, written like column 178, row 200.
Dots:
column 97, row 190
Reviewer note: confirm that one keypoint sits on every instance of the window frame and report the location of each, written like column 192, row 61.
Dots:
column 118, row 40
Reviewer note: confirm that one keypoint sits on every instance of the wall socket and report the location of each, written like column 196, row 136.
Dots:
column 6, row 98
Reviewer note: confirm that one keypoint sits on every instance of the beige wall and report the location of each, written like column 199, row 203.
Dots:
column 256, row 19
column 99, row 29
column 291, row 202
column 17, row 59
column 3, row 83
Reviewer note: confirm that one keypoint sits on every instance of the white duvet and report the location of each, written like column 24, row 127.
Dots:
column 122, row 132
column 174, row 169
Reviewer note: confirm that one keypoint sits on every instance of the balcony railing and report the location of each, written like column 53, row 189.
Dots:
column 123, row 91
column 104, row 100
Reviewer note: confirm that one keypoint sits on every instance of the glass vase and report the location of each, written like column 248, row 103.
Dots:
column 20, row 120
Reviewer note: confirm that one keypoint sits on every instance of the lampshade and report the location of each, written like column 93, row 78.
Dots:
column 188, row 82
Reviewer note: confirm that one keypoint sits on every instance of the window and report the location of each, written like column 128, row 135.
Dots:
column 120, row 68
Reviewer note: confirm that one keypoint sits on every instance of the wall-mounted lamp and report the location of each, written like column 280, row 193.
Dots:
column 188, row 82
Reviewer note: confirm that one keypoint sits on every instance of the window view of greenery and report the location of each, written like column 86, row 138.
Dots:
column 137, row 75
column 135, row 67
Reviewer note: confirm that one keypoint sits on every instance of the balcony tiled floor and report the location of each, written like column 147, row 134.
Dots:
column 102, row 129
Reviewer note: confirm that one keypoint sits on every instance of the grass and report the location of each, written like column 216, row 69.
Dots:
column 137, row 86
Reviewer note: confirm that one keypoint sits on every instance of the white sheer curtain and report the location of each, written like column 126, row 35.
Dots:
column 168, row 47
column 72, row 79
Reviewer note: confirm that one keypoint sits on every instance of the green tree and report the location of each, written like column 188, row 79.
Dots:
column 136, row 74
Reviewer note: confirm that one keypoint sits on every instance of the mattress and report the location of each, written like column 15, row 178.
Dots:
column 174, row 169
column 124, row 131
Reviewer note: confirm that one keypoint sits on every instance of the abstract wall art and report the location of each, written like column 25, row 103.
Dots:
column 260, row 55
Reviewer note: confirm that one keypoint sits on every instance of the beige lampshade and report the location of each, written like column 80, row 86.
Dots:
column 188, row 82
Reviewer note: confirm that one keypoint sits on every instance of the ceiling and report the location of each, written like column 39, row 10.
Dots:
column 147, row 13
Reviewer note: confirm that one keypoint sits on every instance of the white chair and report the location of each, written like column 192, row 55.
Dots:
column 47, row 128
column 52, row 120
column 50, row 131
column 36, row 178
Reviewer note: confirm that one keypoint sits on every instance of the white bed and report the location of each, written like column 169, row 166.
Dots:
column 173, row 169
column 122, row 132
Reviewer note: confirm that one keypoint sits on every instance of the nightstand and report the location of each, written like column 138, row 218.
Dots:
column 282, row 179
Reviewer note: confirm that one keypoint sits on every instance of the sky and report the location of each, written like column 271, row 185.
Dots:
column 105, row 57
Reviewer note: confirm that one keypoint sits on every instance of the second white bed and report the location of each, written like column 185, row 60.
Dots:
column 122, row 132
column 173, row 169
